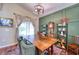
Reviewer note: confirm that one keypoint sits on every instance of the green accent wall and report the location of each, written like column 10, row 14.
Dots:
column 71, row 12
column 73, row 30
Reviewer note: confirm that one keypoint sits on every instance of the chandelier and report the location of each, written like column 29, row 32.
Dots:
column 39, row 9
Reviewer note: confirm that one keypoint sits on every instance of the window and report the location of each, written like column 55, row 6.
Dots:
column 26, row 30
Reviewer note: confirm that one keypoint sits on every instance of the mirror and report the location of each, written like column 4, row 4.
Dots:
column 51, row 26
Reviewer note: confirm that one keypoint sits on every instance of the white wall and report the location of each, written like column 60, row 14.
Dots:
column 8, row 36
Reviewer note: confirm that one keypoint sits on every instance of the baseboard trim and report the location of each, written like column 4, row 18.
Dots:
column 1, row 47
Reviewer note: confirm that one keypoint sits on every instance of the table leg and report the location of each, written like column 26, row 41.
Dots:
column 52, row 50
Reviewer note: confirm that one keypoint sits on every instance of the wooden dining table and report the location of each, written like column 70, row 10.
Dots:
column 45, row 44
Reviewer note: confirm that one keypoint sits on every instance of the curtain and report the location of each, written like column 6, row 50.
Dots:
column 24, row 28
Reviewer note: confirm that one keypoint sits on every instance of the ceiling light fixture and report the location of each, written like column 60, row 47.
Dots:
column 39, row 9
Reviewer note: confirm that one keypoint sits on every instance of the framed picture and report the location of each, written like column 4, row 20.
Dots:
column 6, row 22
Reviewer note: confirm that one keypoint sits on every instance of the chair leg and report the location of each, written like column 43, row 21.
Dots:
column 36, row 51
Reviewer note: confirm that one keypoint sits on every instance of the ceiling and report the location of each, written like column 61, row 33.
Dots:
column 48, row 7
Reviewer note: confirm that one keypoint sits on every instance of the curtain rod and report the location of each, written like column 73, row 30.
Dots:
column 21, row 15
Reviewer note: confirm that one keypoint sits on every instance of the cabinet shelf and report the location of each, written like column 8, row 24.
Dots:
column 44, row 29
column 62, row 32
